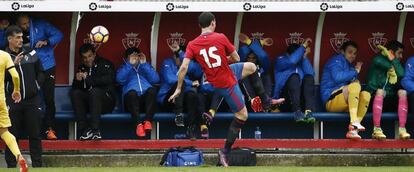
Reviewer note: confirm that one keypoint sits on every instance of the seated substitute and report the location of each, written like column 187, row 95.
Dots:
column 341, row 90
column 92, row 91
column 383, row 78
column 137, row 78
column 294, row 81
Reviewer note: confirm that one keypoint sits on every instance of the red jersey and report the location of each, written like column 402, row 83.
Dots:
column 210, row 50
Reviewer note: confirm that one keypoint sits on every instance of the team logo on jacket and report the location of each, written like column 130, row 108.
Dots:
column 176, row 37
column 295, row 38
column 131, row 40
column 412, row 42
column 88, row 40
column 336, row 43
column 377, row 39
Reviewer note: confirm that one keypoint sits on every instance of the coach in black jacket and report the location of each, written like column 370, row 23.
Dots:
column 92, row 91
column 27, row 112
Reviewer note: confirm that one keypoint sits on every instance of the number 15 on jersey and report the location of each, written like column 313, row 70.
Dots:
column 210, row 54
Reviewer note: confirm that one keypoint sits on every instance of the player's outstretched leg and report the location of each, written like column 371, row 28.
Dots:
column 11, row 143
column 250, row 71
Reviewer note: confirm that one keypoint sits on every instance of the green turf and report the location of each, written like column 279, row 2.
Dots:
column 220, row 169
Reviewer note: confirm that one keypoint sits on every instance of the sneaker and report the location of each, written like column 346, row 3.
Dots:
column 309, row 117
column 222, row 158
column 299, row 116
column 96, row 135
column 358, row 126
column 207, row 118
column 140, row 130
column 190, row 133
column 378, row 134
column 51, row 134
column 86, row 135
column 353, row 134
column 23, row 164
column 179, row 120
column 256, row 104
column 147, row 126
column 403, row 133
column 267, row 106
column 204, row 133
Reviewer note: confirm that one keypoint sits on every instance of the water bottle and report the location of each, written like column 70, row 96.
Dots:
column 257, row 133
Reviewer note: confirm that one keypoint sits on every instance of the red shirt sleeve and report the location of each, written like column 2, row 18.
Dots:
column 228, row 45
column 189, row 52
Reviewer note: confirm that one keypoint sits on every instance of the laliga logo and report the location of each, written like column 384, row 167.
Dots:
column 377, row 39
column 337, row 42
column 176, row 37
column 88, row 40
column 131, row 40
column 295, row 38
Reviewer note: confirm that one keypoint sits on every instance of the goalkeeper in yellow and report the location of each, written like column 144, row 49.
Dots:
column 383, row 78
column 6, row 64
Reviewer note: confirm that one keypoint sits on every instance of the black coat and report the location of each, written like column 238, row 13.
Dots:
column 101, row 75
column 30, row 72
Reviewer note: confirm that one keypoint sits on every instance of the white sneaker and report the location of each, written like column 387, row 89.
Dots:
column 358, row 126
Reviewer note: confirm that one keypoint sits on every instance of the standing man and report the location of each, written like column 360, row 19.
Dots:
column 92, row 91
column 43, row 37
column 213, row 51
column 27, row 113
column 6, row 64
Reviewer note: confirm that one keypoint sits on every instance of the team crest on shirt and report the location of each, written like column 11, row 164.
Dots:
column 176, row 37
column 339, row 39
column 131, row 40
column 377, row 39
column 295, row 38
column 88, row 40
column 412, row 42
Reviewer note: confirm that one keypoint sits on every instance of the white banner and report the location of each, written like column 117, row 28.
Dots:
column 183, row 6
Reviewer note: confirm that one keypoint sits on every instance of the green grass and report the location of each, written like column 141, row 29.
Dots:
column 220, row 169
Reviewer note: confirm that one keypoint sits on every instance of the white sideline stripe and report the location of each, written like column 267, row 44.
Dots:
column 317, row 50
column 401, row 26
column 154, row 39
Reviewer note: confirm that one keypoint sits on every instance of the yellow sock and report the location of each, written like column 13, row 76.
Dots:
column 203, row 127
column 212, row 111
column 364, row 98
column 353, row 100
column 11, row 143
